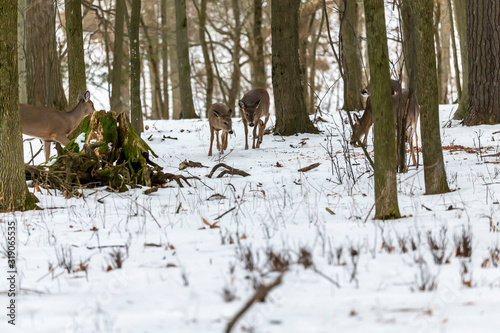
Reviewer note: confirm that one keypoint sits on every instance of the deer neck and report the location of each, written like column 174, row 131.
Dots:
column 78, row 113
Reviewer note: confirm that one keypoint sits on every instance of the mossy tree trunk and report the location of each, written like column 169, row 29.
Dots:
column 386, row 197
column 427, row 92
column 135, row 67
column 288, row 83
column 14, row 194
column 350, row 53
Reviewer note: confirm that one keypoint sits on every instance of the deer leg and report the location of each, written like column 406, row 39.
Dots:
column 46, row 147
column 245, row 126
column 224, row 140
column 263, row 128
column 211, row 140
column 218, row 144
column 254, row 138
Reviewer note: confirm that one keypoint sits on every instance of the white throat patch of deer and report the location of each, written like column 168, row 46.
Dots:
column 253, row 106
column 49, row 124
column 219, row 119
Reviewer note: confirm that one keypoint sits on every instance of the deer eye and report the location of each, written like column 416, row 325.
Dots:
column 225, row 123
column 248, row 115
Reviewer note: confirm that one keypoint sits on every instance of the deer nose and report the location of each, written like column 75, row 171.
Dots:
column 251, row 124
column 231, row 132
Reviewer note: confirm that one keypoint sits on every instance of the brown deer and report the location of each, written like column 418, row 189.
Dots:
column 400, row 106
column 50, row 124
column 255, row 105
column 219, row 119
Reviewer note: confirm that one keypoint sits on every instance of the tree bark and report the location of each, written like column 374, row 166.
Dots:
column 386, row 197
column 259, row 67
column 483, row 34
column 14, row 194
column 164, row 55
column 455, row 54
column 183, row 65
column 174, row 68
column 427, row 92
column 135, row 67
column 76, row 59
column 350, row 55
column 464, row 55
column 116, row 74
column 202, row 15
column 42, row 61
column 21, row 51
column 445, row 52
column 236, row 71
column 290, row 106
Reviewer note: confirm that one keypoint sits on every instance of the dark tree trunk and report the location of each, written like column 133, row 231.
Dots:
column 14, row 194
column 76, row 59
column 174, row 67
column 455, row 53
column 464, row 55
column 290, row 106
column 236, row 71
column 386, row 195
column 202, row 15
column 427, row 92
column 351, row 55
column 483, row 32
column 135, row 67
column 183, row 65
column 259, row 67
column 116, row 75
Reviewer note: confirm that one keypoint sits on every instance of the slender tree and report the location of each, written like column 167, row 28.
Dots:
column 444, row 33
column 386, row 197
column 460, row 16
column 350, row 55
column 14, row 194
column 202, row 16
column 236, row 71
column 427, row 92
column 484, row 62
column 164, row 56
column 259, row 68
column 289, row 99
column 183, row 65
column 172, row 56
column 116, row 74
column 76, row 59
column 135, row 67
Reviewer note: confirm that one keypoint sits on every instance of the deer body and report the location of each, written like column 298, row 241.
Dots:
column 400, row 106
column 219, row 119
column 50, row 124
column 255, row 105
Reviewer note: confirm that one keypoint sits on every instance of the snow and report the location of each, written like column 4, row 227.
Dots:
column 176, row 283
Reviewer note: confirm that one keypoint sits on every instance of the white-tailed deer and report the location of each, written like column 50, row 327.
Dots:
column 255, row 105
column 402, row 106
column 50, row 124
column 219, row 119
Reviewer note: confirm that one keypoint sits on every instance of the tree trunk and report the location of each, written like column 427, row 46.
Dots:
column 116, row 74
column 202, row 16
column 437, row 40
column 455, row 54
column 21, row 51
column 236, row 71
column 14, row 194
column 351, row 55
column 427, row 92
column 259, row 67
column 42, row 61
column 464, row 55
column 150, row 30
column 363, row 49
column 135, row 67
column 484, row 62
column 76, row 59
column 312, row 70
column 174, row 67
column 386, row 195
column 183, row 65
column 164, row 55
column 290, row 106
column 445, row 52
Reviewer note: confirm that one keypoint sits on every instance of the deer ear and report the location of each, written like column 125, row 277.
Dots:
column 258, row 104
column 86, row 96
column 357, row 118
column 216, row 113
column 229, row 112
column 241, row 104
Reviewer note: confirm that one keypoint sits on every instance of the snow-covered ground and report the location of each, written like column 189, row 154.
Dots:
column 193, row 256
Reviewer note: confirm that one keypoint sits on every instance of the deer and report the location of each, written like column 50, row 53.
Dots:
column 219, row 119
column 49, row 124
column 400, row 107
column 255, row 105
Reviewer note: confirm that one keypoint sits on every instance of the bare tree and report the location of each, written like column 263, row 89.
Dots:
column 135, row 67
